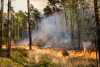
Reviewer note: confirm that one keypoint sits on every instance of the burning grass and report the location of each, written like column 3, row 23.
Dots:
column 56, row 59
column 50, row 57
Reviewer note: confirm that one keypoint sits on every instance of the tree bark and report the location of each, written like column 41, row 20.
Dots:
column 97, row 26
column 78, row 24
column 29, row 25
column 1, row 21
column 9, row 29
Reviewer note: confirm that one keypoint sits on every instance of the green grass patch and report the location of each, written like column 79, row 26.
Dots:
column 5, row 62
column 19, row 56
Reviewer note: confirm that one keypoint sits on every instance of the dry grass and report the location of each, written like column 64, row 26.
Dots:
column 75, row 58
column 53, row 57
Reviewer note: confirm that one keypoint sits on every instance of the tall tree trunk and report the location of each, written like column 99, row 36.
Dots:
column 65, row 15
column 78, row 23
column 1, row 21
column 29, row 25
column 97, row 26
column 9, row 29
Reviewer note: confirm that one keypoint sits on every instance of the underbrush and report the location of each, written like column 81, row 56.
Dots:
column 81, row 62
column 5, row 62
column 20, row 58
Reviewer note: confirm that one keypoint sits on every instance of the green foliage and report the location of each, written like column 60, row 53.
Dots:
column 5, row 62
column 47, row 11
column 18, row 59
column 19, row 56
column 19, row 24
column 34, row 17
column 46, row 62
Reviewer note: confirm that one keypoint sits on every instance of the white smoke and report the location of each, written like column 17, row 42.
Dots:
column 52, row 31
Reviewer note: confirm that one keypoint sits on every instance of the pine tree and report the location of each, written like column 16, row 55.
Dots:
column 9, row 29
column 1, row 21
column 29, row 25
column 97, row 26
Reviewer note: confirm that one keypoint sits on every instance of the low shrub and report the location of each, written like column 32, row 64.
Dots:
column 5, row 62
column 19, row 56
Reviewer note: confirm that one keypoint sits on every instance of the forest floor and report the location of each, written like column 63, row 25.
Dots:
column 48, row 57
